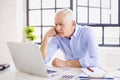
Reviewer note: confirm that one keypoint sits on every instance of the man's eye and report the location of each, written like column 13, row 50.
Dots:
column 61, row 24
column 55, row 24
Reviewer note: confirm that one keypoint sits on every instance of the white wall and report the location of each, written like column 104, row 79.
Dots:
column 109, row 56
column 11, row 26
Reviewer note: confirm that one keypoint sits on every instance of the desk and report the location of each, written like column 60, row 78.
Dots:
column 13, row 74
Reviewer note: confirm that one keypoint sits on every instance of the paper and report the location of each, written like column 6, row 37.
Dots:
column 98, row 72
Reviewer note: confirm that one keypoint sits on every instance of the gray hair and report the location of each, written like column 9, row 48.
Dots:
column 67, row 12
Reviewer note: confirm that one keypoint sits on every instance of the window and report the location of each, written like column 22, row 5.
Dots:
column 97, row 11
column 101, row 15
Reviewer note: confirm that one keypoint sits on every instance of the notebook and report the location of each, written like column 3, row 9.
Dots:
column 28, row 58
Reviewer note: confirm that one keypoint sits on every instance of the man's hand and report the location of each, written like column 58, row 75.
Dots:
column 58, row 63
column 51, row 32
column 62, row 63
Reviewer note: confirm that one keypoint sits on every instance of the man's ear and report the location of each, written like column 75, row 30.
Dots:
column 74, row 23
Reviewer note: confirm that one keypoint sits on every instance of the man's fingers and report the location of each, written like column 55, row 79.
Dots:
column 54, row 62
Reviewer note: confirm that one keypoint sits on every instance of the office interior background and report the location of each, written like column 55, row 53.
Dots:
column 102, row 15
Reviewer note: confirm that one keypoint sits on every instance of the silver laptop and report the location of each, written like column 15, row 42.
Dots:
column 28, row 58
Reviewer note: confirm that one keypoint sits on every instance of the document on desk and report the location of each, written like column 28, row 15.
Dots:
column 95, row 73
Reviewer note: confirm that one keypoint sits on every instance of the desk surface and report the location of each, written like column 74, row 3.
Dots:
column 13, row 74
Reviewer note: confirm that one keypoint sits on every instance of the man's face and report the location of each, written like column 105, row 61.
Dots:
column 64, row 27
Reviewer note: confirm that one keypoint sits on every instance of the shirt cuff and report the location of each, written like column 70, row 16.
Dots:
column 83, row 63
column 46, row 60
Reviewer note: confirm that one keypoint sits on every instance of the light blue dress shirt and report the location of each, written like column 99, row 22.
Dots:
column 82, row 46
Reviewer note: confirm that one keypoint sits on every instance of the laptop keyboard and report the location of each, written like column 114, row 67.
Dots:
column 69, row 77
column 50, row 71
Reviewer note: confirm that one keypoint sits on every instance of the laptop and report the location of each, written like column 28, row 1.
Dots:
column 28, row 58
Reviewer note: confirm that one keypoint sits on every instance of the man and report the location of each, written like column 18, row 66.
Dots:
column 77, row 42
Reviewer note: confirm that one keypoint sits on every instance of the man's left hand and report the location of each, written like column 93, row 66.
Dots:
column 58, row 63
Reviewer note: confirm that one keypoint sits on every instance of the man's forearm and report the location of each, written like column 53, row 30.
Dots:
column 50, row 33
column 73, row 63
column 43, row 47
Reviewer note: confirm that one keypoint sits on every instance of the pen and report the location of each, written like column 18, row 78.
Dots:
column 96, row 77
column 90, row 69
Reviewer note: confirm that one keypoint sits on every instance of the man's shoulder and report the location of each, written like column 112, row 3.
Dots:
column 56, row 37
column 84, row 28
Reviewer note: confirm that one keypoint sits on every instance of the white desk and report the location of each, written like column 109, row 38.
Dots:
column 13, row 74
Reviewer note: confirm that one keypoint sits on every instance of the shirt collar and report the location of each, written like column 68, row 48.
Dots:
column 76, row 31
